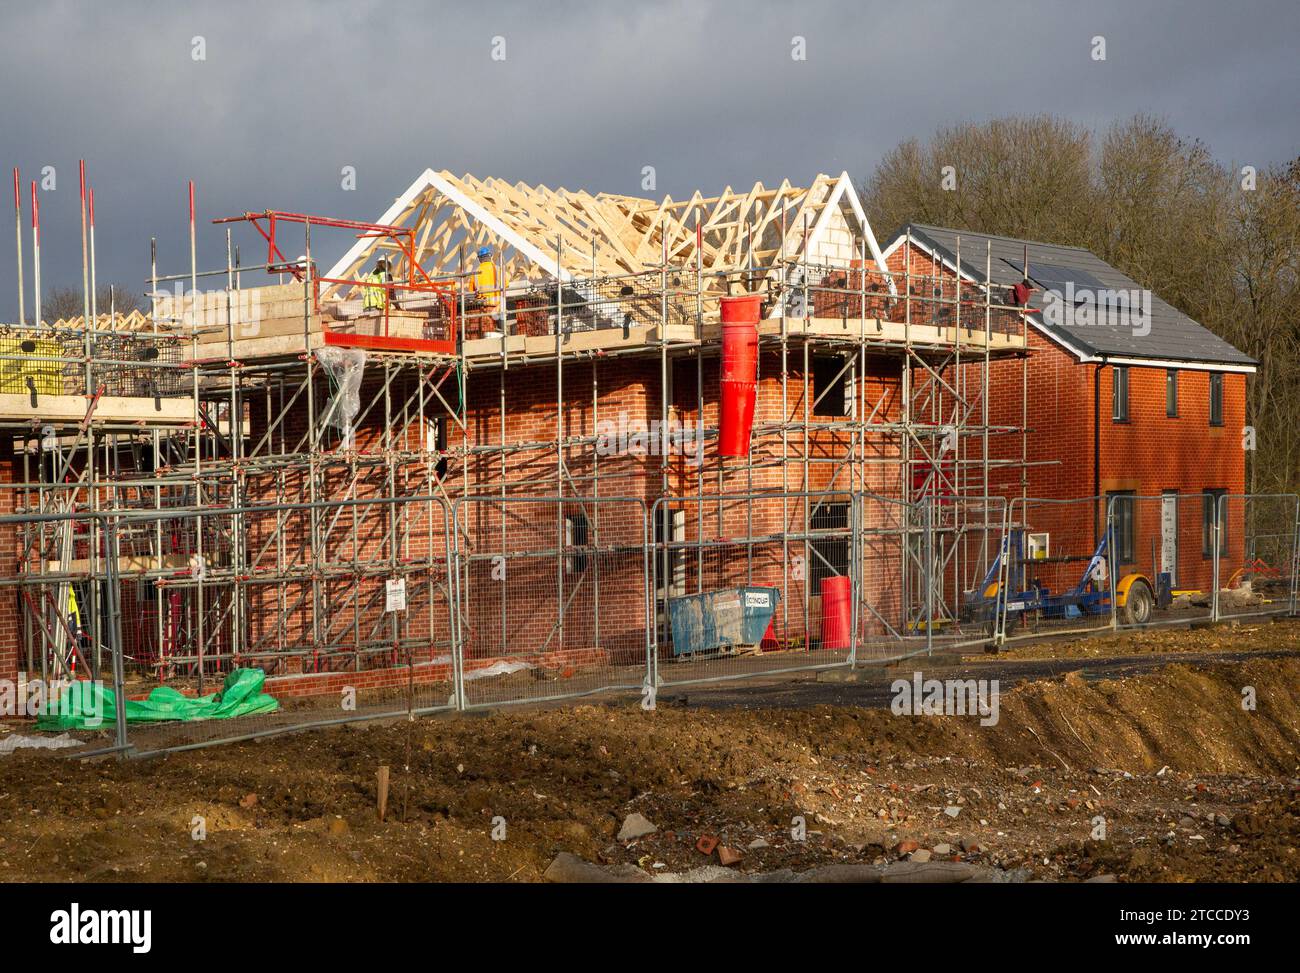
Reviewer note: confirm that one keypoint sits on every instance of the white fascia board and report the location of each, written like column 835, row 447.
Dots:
column 1176, row 364
column 393, row 212
column 929, row 252
column 889, row 250
column 1037, row 323
column 431, row 180
column 1086, row 357
column 844, row 187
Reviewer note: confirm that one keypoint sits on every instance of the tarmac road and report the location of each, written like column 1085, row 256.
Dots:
column 870, row 686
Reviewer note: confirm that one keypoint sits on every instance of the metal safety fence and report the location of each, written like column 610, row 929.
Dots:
column 1053, row 570
column 1164, row 563
column 1123, row 561
column 550, row 597
column 1258, row 554
column 750, row 583
column 369, row 607
column 342, row 608
column 890, row 580
column 957, row 555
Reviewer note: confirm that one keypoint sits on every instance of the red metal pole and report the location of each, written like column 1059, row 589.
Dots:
column 18, row 242
column 94, row 295
column 36, row 255
column 85, row 253
column 194, row 266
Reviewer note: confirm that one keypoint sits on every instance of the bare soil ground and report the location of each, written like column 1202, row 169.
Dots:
column 1244, row 636
column 1192, row 787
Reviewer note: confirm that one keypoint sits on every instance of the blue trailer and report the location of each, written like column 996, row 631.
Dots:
column 1134, row 594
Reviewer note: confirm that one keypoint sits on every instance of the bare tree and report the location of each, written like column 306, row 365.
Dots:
column 1161, row 208
column 1012, row 176
column 65, row 303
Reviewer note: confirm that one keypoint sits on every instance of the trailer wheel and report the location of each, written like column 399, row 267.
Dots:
column 1139, row 604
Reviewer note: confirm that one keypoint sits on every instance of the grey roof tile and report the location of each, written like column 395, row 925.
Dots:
column 1173, row 334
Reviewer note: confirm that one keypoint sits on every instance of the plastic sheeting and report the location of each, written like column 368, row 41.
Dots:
column 20, row 742
column 91, row 706
column 345, row 367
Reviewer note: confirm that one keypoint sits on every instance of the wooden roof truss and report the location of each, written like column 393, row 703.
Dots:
column 542, row 233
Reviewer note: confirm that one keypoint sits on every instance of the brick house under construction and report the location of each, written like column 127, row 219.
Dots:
column 544, row 460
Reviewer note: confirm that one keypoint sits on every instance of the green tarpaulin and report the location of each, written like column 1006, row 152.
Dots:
column 89, row 706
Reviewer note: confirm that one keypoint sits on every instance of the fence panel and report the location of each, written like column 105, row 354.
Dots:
column 959, row 566
column 1164, row 563
column 369, row 607
column 1259, row 554
column 890, row 547
column 551, row 597
column 1054, row 571
column 185, row 591
column 345, row 606
column 747, row 584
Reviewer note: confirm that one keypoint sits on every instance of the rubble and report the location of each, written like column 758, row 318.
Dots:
column 635, row 826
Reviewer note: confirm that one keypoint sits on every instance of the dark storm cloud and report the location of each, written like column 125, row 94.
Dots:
column 588, row 94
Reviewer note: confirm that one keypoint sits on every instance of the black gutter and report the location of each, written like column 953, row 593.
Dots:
column 1096, row 447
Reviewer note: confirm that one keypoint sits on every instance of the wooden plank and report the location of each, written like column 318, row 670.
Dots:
column 111, row 408
column 127, row 564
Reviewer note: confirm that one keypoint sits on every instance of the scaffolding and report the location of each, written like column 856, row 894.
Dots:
column 294, row 450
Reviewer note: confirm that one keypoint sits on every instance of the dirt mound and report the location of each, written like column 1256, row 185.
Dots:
column 1149, row 754
column 1189, row 718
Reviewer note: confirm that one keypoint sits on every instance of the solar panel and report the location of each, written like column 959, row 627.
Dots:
column 1054, row 277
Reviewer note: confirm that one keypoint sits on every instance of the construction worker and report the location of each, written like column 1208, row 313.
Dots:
column 484, row 281
column 80, row 637
column 376, row 296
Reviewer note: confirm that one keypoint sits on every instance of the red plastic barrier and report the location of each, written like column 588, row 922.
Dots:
column 837, row 612
column 739, row 372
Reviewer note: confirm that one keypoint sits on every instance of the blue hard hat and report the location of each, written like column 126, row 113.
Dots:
column 484, row 252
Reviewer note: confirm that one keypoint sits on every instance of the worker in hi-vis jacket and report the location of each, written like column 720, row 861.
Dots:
column 484, row 282
column 376, row 295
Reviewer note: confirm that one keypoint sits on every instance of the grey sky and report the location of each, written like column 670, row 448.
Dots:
column 708, row 93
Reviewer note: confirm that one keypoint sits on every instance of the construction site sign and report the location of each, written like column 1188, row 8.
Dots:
column 395, row 595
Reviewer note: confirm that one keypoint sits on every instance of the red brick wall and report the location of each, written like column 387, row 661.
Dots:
column 1148, row 454
column 10, row 630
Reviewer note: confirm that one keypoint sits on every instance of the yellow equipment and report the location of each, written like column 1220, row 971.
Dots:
column 37, row 359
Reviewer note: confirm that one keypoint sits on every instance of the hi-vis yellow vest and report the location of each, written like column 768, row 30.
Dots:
column 74, row 613
column 376, row 297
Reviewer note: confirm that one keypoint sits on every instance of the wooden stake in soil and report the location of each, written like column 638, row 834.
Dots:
column 383, row 791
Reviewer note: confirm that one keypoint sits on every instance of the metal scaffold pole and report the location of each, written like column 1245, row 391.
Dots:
column 18, row 242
